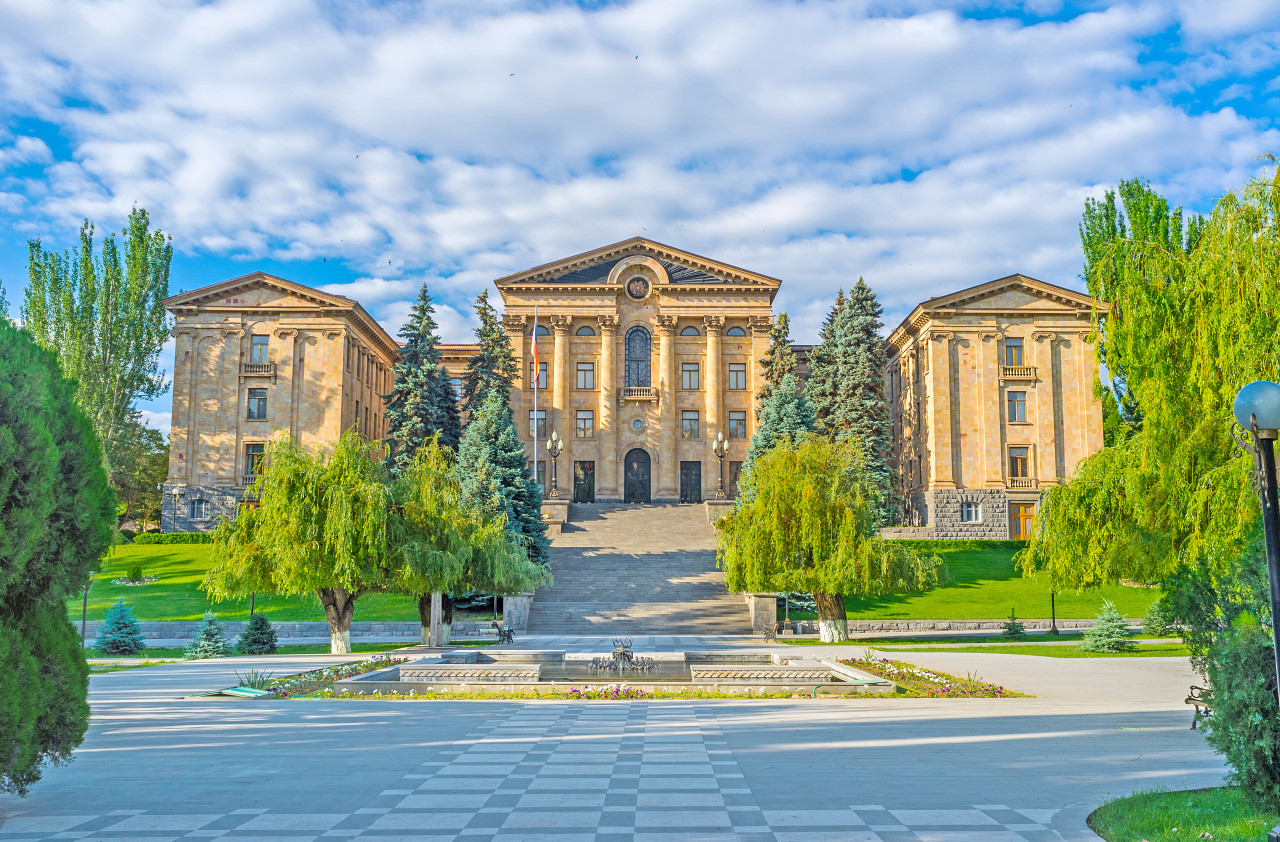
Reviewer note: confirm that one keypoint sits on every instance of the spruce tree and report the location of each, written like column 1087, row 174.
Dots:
column 209, row 640
column 494, row 364
column 1109, row 633
column 787, row 415
column 422, row 402
column 825, row 362
column 778, row 362
column 258, row 637
column 120, row 633
column 494, row 472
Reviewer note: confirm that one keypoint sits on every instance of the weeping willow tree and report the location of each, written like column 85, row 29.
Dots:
column 321, row 526
column 805, row 519
column 441, row 543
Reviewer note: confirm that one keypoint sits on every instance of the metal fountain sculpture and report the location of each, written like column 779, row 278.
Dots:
column 622, row 658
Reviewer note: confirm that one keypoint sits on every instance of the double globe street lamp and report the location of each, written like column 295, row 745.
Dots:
column 555, row 446
column 718, row 447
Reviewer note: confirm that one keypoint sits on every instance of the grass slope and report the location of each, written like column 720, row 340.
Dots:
column 1146, row 650
column 1221, row 814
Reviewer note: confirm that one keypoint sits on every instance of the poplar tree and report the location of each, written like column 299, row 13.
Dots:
column 494, row 471
column 103, row 315
column 779, row 361
column 422, row 402
column 494, row 365
column 785, row 417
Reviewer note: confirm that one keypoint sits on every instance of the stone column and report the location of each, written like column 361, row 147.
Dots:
column 940, row 445
column 607, row 466
column 713, row 374
column 282, row 353
column 514, row 327
column 184, row 361
column 1046, row 418
column 560, row 420
column 667, row 421
column 992, row 412
column 1090, row 407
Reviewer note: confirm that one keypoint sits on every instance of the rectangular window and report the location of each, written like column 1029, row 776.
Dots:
column 457, row 387
column 541, row 376
column 1013, row 352
column 1017, row 406
column 689, row 424
column 258, row 349
column 586, row 424
column 357, row 416
column 735, row 468
column 257, row 404
column 198, row 509
column 253, row 456
column 540, row 474
column 367, row 428
column 1020, row 462
column 689, row 376
column 737, row 425
column 737, row 375
column 970, row 512
column 538, row 424
column 586, row 376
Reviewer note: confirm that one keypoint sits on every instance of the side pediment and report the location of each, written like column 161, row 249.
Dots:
column 594, row 268
column 1014, row 293
column 257, row 291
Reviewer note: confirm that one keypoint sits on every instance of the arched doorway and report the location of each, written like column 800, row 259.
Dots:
column 636, row 477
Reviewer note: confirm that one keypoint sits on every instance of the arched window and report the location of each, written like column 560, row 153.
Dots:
column 586, row 330
column 690, row 331
column 541, row 330
column 638, row 348
column 735, row 331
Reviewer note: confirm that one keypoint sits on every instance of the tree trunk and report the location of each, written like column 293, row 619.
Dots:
column 832, row 623
column 424, row 618
column 339, row 606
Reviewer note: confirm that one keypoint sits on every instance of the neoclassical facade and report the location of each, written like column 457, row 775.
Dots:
column 991, row 397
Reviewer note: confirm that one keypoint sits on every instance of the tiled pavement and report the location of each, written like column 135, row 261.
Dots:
column 568, row 773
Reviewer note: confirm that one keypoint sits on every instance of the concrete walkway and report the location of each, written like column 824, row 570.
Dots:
column 157, row 767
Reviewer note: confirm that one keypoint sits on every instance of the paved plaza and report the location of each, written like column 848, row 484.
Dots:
column 157, row 767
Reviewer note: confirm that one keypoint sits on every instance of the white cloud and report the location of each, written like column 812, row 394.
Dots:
column 157, row 420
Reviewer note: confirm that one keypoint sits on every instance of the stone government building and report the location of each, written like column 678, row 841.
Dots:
column 645, row 354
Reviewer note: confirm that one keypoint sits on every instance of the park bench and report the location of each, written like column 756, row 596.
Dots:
column 505, row 635
column 771, row 633
column 1204, row 710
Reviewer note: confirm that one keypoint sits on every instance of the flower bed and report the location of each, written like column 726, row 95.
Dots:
column 603, row 693
column 922, row 682
column 309, row 682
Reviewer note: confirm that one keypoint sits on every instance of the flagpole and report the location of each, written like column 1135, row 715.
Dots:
column 537, row 372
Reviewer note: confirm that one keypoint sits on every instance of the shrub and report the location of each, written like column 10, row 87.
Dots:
column 120, row 633
column 1013, row 629
column 150, row 537
column 257, row 679
column 258, row 637
column 135, row 572
column 1159, row 620
column 1243, row 728
column 1109, row 633
column 209, row 640
column 933, row 545
column 129, row 533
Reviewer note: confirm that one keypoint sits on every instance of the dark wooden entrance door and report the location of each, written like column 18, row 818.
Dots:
column 636, row 477
column 690, row 482
column 584, row 482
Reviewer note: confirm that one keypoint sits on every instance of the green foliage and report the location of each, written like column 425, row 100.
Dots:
column 494, row 472
column 1012, row 628
column 174, row 538
column 422, row 404
column 1109, row 632
column 257, row 679
column 209, row 641
column 119, row 633
column 1222, row 813
column 779, row 361
column 135, row 572
column 1159, row 620
column 786, row 416
column 138, row 470
column 493, row 366
column 44, row 708
column 258, row 638
column 104, row 316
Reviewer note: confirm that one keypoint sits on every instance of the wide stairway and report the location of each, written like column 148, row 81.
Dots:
column 624, row 569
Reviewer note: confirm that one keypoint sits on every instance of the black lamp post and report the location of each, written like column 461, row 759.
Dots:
column 555, row 446
column 1257, row 412
column 718, row 448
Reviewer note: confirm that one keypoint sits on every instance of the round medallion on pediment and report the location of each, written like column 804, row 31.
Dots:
column 638, row 288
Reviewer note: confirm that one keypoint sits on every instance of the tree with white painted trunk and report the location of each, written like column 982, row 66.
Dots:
column 805, row 521
column 321, row 526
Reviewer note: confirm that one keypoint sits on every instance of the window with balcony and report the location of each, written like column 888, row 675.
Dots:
column 586, row 376
column 689, row 376
column 585, row 426
column 254, row 455
column 737, row 425
column 689, row 424
column 257, row 405
column 258, row 349
column 540, row 377
column 737, row 375
column 1020, row 462
column 1017, row 406
column 1013, row 352
column 538, row 424
column 198, row 509
column 638, row 347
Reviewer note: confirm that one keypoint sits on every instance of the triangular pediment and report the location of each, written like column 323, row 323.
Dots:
column 257, row 290
column 1013, row 293
column 682, row 267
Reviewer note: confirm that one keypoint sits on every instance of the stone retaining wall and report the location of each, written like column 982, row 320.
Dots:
column 183, row 630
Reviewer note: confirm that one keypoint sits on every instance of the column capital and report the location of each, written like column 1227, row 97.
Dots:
column 941, row 335
column 561, row 324
column 179, row 332
column 713, row 324
column 760, row 325
column 514, row 322
column 666, row 325
column 608, row 324
column 988, row 335
column 1042, row 335
column 230, row 332
column 334, row 334
column 286, row 332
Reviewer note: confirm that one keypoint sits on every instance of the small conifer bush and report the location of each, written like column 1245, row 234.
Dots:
column 135, row 572
column 209, row 641
column 120, row 633
column 1110, row 633
column 1159, row 620
column 1013, row 628
column 258, row 637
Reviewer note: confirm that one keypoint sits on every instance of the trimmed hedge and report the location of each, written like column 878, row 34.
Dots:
column 935, row 544
column 174, row 538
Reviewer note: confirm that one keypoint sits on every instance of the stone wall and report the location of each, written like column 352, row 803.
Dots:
column 222, row 503
column 944, row 513
column 408, row 631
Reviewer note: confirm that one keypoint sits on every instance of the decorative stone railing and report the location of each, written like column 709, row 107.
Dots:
column 1022, row 482
column 258, row 369
column 639, row 393
column 1018, row 372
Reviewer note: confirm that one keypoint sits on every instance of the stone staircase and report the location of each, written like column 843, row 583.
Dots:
column 636, row 569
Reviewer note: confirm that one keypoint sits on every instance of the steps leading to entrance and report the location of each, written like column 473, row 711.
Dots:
column 636, row 569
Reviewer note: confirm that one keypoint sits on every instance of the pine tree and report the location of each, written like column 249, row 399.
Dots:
column 825, row 361
column 258, row 637
column 778, row 362
column 1013, row 629
column 1159, row 620
column 120, row 633
column 209, row 640
column 422, row 402
column 1109, row 633
column 786, row 416
column 494, row 364
column 494, row 472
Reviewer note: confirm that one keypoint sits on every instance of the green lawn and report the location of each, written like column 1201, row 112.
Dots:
column 1222, row 814
column 986, row 586
column 1148, row 650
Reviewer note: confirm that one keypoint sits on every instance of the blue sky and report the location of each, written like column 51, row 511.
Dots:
column 366, row 149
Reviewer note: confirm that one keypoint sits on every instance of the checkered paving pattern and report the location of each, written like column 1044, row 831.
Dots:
column 569, row 773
